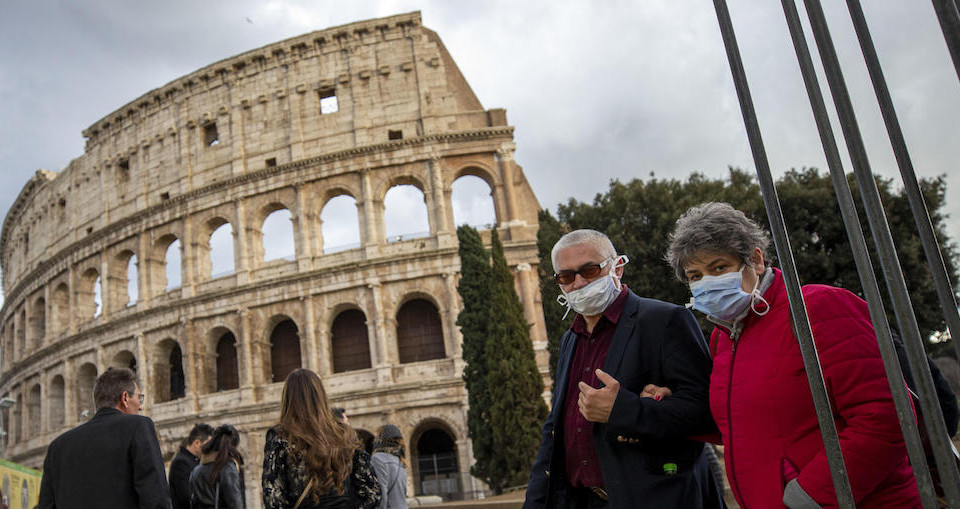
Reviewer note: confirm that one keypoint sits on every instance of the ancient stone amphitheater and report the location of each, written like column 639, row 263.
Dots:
column 108, row 262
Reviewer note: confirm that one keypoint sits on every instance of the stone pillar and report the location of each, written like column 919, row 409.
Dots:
column 507, row 169
column 384, row 356
column 241, row 250
column 245, row 345
column 71, row 320
column 188, row 256
column 145, row 278
column 71, row 410
column 145, row 373
column 106, row 289
column 308, row 348
column 437, row 204
column 372, row 234
column 305, row 226
column 193, row 349
column 528, row 289
column 45, row 402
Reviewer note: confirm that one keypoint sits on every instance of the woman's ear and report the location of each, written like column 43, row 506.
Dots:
column 756, row 260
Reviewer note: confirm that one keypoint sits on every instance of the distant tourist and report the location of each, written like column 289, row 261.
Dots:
column 112, row 460
column 311, row 459
column 186, row 460
column 603, row 445
column 218, row 482
column 389, row 464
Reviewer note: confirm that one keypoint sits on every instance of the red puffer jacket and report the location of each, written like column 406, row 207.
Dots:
column 761, row 401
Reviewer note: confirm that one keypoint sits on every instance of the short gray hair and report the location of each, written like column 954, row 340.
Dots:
column 110, row 386
column 713, row 227
column 597, row 240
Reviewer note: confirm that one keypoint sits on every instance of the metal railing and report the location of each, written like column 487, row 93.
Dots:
column 949, row 18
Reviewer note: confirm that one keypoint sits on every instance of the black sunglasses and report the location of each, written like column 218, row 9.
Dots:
column 588, row 271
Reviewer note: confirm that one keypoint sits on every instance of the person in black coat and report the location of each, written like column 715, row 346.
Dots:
column 218, row 481
column 186, row 460
column 603, row 445
column 112, row 460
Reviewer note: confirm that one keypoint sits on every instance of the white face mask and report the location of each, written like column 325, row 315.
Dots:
column 593, row 299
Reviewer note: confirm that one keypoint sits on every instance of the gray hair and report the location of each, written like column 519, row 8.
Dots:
column 110, row 386
column 713, row 227
column 596, row 239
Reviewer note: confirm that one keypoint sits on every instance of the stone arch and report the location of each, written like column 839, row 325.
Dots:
column 20, row 330
column 473, row 201
column 419, row 330
column 350, row 341
column 86, row 377
column 5, row 414
column 215, row 249
column 285, row 353
column 406, row 213
column 169, row 381
column 277, row 234
column 169, row 252
column 57, row 401
column 38, row 322
column 88, row 294
column 340, row 224
column 434, row 460
column 227, row 374
column 61, row 308
column 124, row 359
column 33, row 411
column 124, row 288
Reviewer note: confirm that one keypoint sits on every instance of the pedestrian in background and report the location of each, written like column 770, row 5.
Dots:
column 218, row 482
column 186, row 460
column 390, row 466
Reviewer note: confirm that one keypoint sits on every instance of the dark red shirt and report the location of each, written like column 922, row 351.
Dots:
column 583, row 467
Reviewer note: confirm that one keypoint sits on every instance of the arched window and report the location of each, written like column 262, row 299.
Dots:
column 61, row 308
column 340, row 224
column 86, row 376
column 88, row 294
column 284, row 350
column 98, row 297
column 350, row 343
column 278, row 239
column 33, row 411
column 172, row 265
column 133, row 292
column 57, row 402
column 405, row 214
column 419, row 332
column 221, row 251
column 227, row 373
column 124, row 359
column 169, row 382
column 437, row 468
column 472, row 202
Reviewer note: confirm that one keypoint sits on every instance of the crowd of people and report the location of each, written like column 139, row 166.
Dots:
column 312, row 458
column 639, row 392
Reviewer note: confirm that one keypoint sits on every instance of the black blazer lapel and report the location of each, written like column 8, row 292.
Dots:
column 568, row 346
column 623, row 335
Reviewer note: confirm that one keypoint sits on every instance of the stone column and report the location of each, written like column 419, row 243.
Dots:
column 245, row 345
column 528, row 288
column 106, row 289
column 305, row 226
column 308, row 348
column 145, row 373
column 437, row 210
column 452, row 338
column 45, row 402
column 241, row 250
column 193, row 371
column 372, row 234
column 188, row 256
column 70, row 408
column 145, row 278
column 384, row 357
column 507, row 169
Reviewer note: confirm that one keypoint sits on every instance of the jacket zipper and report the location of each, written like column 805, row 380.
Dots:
column 728, row 449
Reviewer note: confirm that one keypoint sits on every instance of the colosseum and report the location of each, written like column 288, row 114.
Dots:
column 113, row 260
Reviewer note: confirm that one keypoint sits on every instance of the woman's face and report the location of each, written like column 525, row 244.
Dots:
column 715, row 264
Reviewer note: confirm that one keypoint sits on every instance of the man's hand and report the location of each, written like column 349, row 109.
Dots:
column 655, row 391
column 596, row 404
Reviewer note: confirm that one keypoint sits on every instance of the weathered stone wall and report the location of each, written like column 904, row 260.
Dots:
column 231, row 143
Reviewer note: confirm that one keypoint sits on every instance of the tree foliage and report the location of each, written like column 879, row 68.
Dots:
column 504, row 385
column 638, row 216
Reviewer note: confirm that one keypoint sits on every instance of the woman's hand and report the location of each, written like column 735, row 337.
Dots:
column 655, row 391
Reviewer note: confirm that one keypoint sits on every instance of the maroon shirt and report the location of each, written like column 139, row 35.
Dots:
column 583, row 467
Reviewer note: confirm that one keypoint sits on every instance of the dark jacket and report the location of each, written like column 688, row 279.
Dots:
column 112, row 460
column 180, row 469
column 945, row 395
column 659, row 343
column 203, row 494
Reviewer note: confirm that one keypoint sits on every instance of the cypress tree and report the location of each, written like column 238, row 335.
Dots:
column 514, row 385
column 474, row 287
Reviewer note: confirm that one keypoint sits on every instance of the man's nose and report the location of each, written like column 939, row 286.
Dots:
column 578, row 282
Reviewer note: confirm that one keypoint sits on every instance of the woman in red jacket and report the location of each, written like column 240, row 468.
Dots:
column 759, row 395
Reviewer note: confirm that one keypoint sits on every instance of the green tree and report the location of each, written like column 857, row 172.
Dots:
column 639, row 215
column 476, row 284
column 514, row 385
column 549, row 233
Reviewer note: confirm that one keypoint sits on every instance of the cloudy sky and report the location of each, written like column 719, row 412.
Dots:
column 596, row 90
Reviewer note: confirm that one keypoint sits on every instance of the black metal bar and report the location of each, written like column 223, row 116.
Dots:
column 885, row 249
column 861, row 256
column 798, row 312
column 949, row 18
column 920, row 216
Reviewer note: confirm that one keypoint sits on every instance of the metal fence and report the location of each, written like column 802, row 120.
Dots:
column 949, row 18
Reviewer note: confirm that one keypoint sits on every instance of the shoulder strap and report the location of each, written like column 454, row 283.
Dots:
column 303, row 495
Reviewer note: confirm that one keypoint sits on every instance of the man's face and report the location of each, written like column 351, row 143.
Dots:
column 581, row 256
column 131, row 403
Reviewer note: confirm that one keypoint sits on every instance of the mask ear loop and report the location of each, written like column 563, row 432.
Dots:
column 562, row 300
column 756, row 298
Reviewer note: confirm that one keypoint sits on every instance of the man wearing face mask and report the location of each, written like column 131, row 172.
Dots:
column 603, row 445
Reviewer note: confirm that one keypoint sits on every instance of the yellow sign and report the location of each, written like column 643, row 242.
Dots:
column 20, row 485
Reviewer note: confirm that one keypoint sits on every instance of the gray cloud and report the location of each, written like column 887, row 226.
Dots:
column 596, row 90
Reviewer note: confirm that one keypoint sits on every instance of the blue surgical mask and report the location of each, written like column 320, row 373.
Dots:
column 723, row 296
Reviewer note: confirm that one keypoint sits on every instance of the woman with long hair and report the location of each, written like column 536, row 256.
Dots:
column 218, row 481
column 311, row 459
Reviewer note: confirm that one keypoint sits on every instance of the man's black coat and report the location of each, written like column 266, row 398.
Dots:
column 659, row 343
column 180, row 469
column 112, row 460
